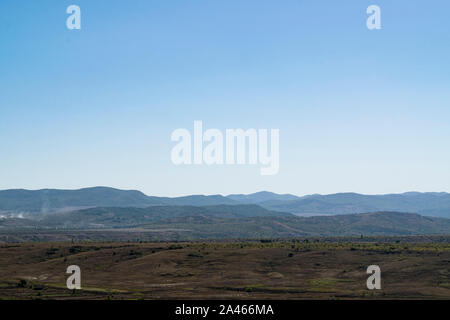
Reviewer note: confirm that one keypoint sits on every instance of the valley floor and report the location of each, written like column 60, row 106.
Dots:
column 265, row 269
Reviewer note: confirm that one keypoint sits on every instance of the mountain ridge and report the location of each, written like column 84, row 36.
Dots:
column 46, row 201
column 231, row 222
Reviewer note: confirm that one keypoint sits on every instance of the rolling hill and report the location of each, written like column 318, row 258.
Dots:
column 114, row 217
column 261, row 197
column 52, row 201
column 228, row 222
column 429, row 204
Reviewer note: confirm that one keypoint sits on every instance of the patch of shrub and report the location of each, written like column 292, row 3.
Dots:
column 22, row 283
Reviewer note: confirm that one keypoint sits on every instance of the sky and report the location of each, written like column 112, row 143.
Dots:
column 357, row 110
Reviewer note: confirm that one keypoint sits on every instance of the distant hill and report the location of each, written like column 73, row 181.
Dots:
column 198, row 200
column 134, row 217
column 263, row 196
column 52, row 200
column 374, row 224
column 231, row 222
column 429, row 204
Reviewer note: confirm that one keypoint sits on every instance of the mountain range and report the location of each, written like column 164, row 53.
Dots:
column 224, row 222
column 19, row 201
column 259, row 215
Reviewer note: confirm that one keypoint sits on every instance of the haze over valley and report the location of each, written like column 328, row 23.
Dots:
column 259, row 215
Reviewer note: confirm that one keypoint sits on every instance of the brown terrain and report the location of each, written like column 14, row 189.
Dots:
column 266, row 269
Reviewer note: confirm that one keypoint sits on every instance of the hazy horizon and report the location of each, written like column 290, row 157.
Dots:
column 226, row 194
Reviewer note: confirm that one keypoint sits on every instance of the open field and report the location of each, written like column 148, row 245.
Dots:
column 412, row 268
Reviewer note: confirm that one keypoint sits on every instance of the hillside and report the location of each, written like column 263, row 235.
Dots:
column 135, row 217
column 374, row 224
column 285, row 269
column 430, row 204
column 52, row 200
column 261, row 197
column 228, row 222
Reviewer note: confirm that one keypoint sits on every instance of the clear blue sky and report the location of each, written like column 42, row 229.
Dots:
column 358, row 110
